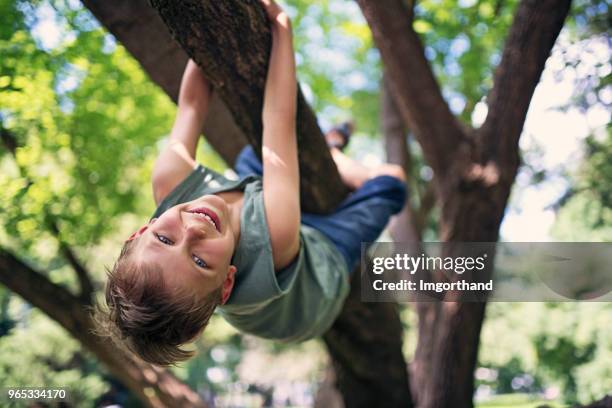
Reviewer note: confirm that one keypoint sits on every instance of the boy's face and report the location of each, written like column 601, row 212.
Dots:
column 193, row 244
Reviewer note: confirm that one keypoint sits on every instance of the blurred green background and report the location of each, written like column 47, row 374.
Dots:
column 86, row 123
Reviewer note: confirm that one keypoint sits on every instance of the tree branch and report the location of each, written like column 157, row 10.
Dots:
column 85, row 284
column 403, row 227
column 8, row 140
column 389, row 341
column 535, row 28
column 416, row 91
column 230, row 40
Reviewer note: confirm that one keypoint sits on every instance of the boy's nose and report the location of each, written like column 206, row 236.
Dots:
column 194, row 232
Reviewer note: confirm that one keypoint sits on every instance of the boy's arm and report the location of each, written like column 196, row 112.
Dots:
column 279, row 147
column 177, row 159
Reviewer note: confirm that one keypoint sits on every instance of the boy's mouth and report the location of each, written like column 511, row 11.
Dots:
column 208, row 215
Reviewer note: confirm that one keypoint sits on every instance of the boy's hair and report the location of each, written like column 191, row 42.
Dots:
column 146, row 316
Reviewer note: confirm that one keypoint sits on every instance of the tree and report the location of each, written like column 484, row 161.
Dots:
column 473, row 168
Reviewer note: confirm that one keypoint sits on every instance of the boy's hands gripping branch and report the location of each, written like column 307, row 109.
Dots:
column 279, row 146
column 275, row 13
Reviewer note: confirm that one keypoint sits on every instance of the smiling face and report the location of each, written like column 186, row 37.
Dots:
column 193, row 244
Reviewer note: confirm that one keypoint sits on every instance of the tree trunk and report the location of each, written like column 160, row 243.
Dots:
column 474, row 171
column 365, row 344
column 156, row 387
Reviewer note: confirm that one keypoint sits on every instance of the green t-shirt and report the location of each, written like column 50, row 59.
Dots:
column 294, row 304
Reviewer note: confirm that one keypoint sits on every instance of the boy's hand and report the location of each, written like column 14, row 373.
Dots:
column 275, row 13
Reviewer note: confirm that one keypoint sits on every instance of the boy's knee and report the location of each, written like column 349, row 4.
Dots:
column 393, row 170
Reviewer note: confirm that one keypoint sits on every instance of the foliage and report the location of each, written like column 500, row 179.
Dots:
column 464, row 42
column 566, row 345
column 85, row 119
column 37, row 353
column 585, row 212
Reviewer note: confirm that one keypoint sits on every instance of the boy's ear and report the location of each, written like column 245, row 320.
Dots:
column 228, row 284
column 141, row 230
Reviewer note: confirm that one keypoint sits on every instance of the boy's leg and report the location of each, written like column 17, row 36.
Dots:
column 362, row 216
column 355, row 174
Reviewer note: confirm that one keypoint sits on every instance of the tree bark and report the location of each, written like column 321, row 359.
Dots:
column 231, row 41
column 156, row 387
column 474, row 171
column 365, row 343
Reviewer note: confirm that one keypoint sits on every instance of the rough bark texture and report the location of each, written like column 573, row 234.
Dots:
column 154, row 386
column 231, row 41
column 366, row 351
column 474, row 171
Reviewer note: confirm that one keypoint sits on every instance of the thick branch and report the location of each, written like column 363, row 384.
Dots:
column 535, row 28
column 366, row 347
column 65, row 308
column 416, row 91
column 403, row 227
column 231, row 41
column 85, row 284
column 8, row 140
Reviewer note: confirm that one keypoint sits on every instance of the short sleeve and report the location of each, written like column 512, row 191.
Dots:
column 257, row 282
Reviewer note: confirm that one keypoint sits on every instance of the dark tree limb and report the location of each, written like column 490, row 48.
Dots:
column 535, row 28
column 8, row 140
column 415, row 89
column 231, row 41
column 85, row 285
column 157, row 388
column 365, row 343
column 403, row 227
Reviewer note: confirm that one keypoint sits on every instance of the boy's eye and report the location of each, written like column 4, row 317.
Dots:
column 164, row 239
column 199, row 261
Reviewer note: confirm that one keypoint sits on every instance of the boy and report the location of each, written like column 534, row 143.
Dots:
column 243, row 245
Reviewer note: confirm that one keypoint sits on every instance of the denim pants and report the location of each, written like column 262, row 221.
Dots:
column 360, row 217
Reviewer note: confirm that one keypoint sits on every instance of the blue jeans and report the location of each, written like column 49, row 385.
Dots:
column 360, row 217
